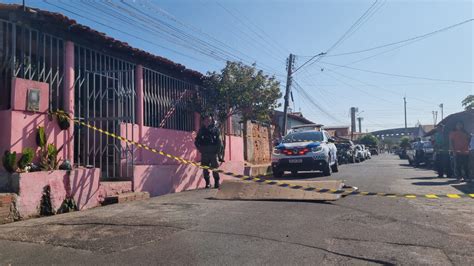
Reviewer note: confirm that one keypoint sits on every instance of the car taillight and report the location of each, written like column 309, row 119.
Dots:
column 276, row 151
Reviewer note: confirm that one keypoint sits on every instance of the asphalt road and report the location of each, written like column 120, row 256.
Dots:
column 191, row 228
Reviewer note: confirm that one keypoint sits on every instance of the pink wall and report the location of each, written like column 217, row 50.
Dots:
column 163, row 179
column 235, row 145
column 160, row 175
column 23, row 129
column 82, row 184
column 20, row 126
column 20, row 90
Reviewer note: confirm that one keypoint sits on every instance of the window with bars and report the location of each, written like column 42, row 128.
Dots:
column 30, row 54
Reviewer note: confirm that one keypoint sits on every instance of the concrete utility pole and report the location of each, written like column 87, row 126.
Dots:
column 353, row 121
column 289, row 66
column 360, row 123
column 405, row 101
column 442, row 113
column 435, row 117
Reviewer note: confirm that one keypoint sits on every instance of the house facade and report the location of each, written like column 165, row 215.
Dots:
column 49, row 63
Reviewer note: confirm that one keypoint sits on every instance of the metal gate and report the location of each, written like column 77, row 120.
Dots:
column 104, row 97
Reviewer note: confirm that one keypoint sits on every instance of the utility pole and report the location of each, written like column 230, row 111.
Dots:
column 442, row 113
column 405, row 101
column 24, row 6
column 353, row 121
column 289, row 66
column 360, row 123
column 435, row 117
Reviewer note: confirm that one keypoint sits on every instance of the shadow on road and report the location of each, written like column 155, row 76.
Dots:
column 423, row 178
column 445, row 183
column 465, row 188
column 299, row 176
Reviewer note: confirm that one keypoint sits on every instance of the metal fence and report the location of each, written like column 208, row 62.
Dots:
column 104, row 97
column 165, row 101
column 30, row 54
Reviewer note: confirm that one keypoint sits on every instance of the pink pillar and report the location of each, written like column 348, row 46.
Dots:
column 229, row 133
column 68, row 100
column 197, row 121
column 139, row 106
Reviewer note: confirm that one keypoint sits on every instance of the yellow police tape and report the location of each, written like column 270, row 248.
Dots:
column 261, row 179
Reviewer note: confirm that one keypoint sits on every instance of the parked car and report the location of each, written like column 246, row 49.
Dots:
column 374, row 150
column 365, row 152
column 359, row 154
column 307, row 150
column 345, row 152
column 420, row 152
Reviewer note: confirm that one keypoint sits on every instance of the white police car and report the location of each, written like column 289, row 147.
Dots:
column 305, row 150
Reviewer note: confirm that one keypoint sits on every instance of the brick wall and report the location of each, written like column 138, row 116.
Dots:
column 7, row 208
column 258, row 143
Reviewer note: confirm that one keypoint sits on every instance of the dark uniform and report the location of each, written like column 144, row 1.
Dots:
column 209, row 144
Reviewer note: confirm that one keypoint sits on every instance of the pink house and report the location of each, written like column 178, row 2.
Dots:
column 107, row 84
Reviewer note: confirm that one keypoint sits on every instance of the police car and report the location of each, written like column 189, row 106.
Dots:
column 305, row 148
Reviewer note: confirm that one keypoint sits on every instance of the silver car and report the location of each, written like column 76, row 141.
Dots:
column 309, row 150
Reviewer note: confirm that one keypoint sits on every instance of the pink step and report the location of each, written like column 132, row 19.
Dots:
column 112, row 188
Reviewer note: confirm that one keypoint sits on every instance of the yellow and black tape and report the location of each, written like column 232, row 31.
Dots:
column 262, row 179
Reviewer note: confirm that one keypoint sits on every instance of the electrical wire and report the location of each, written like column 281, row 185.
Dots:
column 398, row 75
column 411, row 40
column 352, row 29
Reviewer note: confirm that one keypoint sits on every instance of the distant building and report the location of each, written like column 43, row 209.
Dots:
column 339, row 131
column 395, row 134
column 294, row 119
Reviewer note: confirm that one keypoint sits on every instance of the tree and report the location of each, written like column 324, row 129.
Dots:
column 239, row 89
column 404, row 142
column 369, row 140
column 468, row 102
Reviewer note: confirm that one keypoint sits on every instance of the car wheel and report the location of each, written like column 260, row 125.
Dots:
column 278, row 174
column 335, row 167
column 327, row 169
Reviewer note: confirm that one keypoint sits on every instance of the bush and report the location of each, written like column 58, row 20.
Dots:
column 26, row 158
column 9, row 161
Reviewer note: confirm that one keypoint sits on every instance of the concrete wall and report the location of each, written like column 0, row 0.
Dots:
column 82, row 184
column 160, row 175
column 20, row 126
column 258, row 143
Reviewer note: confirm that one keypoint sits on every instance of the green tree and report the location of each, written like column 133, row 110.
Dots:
column 404, row 142
column 468, row 102
column 369, row 140
column 239, row 89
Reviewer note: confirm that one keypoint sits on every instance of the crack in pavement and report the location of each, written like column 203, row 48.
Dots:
column 382, row 262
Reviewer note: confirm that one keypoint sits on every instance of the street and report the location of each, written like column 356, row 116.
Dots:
column 192, row 228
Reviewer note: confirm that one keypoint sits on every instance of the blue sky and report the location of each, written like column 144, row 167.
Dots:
column 265, row 32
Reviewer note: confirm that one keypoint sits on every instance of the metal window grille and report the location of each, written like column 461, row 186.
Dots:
column 165, row 101
column 104, row 97
column 30, row 54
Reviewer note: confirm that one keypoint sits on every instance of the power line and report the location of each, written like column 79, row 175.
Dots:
column 411, row 40
column 381, row 88
column 398, row 75
column 358, row 22
column 249, row 28
column 314, row 102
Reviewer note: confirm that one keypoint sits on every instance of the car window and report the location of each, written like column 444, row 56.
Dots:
column 303, row 137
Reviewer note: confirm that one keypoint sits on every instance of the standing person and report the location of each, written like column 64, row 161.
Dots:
column 459, row 146
column 209, row 144
column 441, row 147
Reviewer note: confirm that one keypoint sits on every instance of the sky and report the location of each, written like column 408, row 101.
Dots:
column 265, row 32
